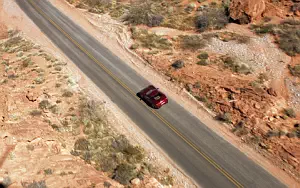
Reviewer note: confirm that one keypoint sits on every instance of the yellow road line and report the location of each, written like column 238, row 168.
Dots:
column 206, row 157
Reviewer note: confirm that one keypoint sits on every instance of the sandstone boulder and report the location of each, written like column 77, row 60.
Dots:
column 245, row 11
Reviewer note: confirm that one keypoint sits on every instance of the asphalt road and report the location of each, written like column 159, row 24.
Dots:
column 204, row 156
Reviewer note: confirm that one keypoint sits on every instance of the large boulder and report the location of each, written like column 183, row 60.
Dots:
column 245, row 11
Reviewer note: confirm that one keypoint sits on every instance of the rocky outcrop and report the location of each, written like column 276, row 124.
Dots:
column 245, row 11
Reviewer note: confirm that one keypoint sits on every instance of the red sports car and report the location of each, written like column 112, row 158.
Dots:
column 153, row 97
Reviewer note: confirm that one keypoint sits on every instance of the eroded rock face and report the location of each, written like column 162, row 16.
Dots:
column 245, row 11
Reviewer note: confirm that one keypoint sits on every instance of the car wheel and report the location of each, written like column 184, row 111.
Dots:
column 138, row 95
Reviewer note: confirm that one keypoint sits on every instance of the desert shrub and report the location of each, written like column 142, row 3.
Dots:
column 273, row 133
column 26, row 62
column 203, row 55
column 290, row 22
column 178, row 64
column 106, row 184
column 267, row 19
column 167, row 180
column 201, row 98
column 197, row 84
column 289, row 41
column 150, row 40
column 134, row 154
column 54, row 109
column 34, row 184
column 57, row 85
column 67, row 94
column 58, row 68
column 145, row 13
column 230, row 63
column 192, row 42
column 225, row 117
column 35, row 113
column 240, row 129
column 213, row 18
column 154, row 20
column 295, row 7
column 44, row 104
column 295, row 71
column 290, row 112
column 39, row 80
column 121, row 143
column 48, row 171
column 262, row 29
column 292, row 134
column 71, row 1
column 81, row 144
column 12, row 42
column 262, row 77
column 124, row 173
column 203, row 62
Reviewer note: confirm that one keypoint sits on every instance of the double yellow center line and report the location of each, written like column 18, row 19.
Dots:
column 191, row 144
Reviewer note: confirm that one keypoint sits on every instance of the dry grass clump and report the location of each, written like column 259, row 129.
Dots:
column 150, row 40
column 15, row 43
column 192, row 42
column 212, row 18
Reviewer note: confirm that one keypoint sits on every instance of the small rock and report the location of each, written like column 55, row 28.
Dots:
column 277, row 117
column 189, row 87
column 135, row 181
column 178, row 64
column 263, row 145
column 152, row 182
column 257, row 106
column 272, row 92
column 32, row 96
column 271, row 118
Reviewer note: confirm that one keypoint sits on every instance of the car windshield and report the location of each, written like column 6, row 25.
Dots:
column 150, row 91
column 157, row 97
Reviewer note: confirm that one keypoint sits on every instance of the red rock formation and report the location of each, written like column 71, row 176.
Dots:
column 245, row 11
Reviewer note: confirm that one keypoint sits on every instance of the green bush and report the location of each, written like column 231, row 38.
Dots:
column 48, row 171
column 213, row 18
column 67, row 94
column 124, row 173
column 44, row 104
column 203, row 62
column 262, row 29
column 203, row 55
column 145, row 13
column 178, row 64
column 150, row 40
column 290, row 112
column 225, row 117
column 289, row 41
column 81, row 144
column 295, row 71
column 34, row 184
column 200, row 98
